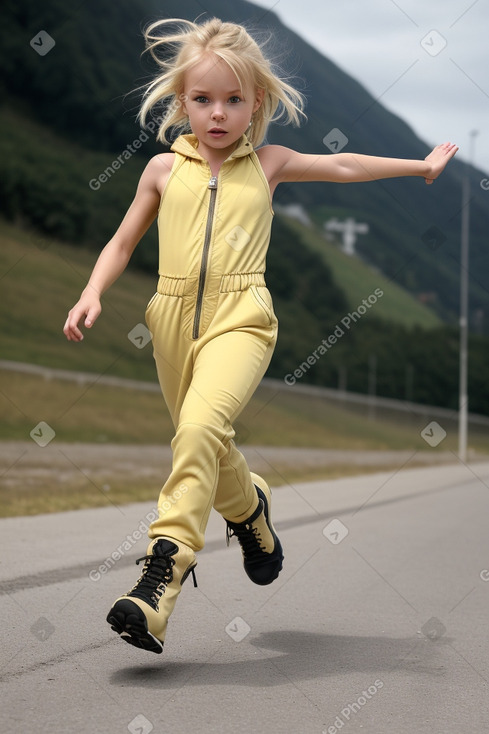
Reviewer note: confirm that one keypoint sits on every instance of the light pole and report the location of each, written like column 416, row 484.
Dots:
column 463, row 398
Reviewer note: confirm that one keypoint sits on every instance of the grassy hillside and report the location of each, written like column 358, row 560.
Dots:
column 42, row 279
column 36, row 479
column 45, row 183
column 359, row 280
column 101, row 414
column 81, row 91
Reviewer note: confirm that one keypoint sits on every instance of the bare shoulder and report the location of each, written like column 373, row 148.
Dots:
column 273, row 156
column 272, row 159
column 158, row 170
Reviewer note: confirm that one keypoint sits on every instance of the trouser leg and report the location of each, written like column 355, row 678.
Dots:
column 226, row 371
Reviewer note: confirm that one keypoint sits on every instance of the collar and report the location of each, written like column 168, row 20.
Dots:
column 187, row 145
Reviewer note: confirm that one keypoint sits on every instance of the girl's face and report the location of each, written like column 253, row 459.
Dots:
column 219, row 111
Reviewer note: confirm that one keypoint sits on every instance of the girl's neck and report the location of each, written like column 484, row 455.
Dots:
column 216, row 157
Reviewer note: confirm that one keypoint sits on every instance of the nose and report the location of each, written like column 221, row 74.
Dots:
column 218, row 112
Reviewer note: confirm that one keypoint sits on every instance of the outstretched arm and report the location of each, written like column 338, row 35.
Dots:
column 288, row 165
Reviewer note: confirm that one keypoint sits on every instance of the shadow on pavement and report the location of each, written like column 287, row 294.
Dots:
column 304, row 656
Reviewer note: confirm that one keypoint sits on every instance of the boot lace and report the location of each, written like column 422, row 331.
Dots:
column 156, row 575
column 249, row 539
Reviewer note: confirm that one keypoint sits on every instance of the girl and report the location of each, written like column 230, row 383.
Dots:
column 212, row 319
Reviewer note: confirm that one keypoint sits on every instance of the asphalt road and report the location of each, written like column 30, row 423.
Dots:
column 378, row 623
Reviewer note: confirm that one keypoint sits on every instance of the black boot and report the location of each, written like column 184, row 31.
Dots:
column 261, row 548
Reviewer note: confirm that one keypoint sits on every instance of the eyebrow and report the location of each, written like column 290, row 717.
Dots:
column 203, row 91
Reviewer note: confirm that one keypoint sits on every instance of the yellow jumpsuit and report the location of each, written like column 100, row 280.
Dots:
column 214, row 331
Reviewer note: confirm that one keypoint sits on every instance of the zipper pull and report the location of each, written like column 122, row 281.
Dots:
column 212, row 183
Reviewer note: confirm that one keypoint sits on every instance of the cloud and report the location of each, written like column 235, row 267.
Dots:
column 376, row 42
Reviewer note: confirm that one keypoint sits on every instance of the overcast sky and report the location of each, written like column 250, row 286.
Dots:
column 425, row 60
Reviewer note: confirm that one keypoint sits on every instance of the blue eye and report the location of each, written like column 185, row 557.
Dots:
column 234, row 99
column 201, row 99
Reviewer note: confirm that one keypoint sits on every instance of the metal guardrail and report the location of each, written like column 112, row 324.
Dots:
column 81, row 378
column 371, row 401
column 376, row 401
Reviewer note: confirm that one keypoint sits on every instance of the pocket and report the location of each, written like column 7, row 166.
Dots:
column 150, row 304
column 263, row 299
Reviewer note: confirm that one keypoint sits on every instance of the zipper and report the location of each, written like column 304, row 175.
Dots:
column 212, row 185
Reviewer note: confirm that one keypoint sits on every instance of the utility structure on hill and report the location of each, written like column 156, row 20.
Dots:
column 463, row 397
column 349, row 229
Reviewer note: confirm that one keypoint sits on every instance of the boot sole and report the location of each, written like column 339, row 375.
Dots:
column 128, row 620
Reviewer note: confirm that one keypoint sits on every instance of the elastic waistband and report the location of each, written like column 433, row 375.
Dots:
column 171, row 285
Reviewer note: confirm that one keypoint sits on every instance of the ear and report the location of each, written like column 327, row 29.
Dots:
column 259, row 95
column 182, row 99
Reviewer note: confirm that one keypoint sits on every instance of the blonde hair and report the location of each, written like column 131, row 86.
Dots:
column 232, row 43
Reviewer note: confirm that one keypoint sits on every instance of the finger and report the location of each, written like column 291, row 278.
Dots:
column 71, row 330
column 73, row 333
column 91, row 317
column 450, row 147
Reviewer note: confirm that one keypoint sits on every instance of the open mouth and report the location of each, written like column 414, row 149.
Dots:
column 217, row 132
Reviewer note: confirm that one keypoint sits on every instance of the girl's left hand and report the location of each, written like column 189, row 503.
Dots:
column 439, row 158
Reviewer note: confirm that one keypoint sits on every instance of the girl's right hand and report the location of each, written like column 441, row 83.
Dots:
column 439, row 157
column 89, row 307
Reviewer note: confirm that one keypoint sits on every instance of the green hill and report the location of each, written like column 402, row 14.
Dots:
column 42, row 278
column 80, row 92
column 64, row 118
column 358, row 280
